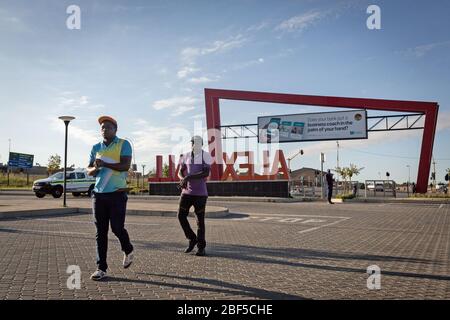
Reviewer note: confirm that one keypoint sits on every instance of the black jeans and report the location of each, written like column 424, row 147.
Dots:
column 110, row 207
column 330, row 193
column 199, row 203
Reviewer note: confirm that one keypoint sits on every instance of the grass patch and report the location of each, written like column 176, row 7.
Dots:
column 345, row 196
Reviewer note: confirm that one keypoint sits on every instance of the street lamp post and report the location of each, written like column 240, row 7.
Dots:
column 409, row 178
column 9, row 154
column 337, row 165
column 134, row 166
column 143, row 168
column 300, row 152
column 66, row 120
column 322, row 160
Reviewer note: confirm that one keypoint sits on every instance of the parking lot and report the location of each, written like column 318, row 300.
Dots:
column 259, row 251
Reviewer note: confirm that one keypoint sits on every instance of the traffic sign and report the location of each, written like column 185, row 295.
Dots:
column 20, row 160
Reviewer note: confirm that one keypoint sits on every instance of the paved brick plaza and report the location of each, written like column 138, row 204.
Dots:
column 262, row 251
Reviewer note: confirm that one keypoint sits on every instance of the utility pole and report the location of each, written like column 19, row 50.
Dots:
column 134, row 165
column 9, row 154
column 322, row 160
column 143, row 168
column 300, row 152
column 337, row 164
column 434, row 175
column 409, row 178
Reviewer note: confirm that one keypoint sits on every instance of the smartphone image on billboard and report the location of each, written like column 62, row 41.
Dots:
column 297, row 130
column 285, row 129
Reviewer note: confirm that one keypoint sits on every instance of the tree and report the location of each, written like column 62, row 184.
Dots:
column 348, row 172
column 343, row 173
column 165, row 170
column 54, row 164
column 448, row 174
column 353, row 170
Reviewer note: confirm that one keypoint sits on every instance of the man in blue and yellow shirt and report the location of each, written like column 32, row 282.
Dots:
column 109, row 162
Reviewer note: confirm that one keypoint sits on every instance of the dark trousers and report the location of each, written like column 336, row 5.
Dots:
column 330, row 193
column 199, row 203
column 110, row 208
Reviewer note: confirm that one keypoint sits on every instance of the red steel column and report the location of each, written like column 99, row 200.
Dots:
column 426, row 152
column 214, row 134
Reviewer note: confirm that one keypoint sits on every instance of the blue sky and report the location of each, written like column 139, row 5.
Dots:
column 147, row 63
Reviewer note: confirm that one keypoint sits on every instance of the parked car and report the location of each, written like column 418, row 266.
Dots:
column 77, row 182
column 379, row 187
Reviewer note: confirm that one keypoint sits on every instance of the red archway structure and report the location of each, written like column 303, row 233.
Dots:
column 429, row 109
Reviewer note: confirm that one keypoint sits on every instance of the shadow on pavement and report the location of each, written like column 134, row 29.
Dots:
column 227, row 288
column 285, row 256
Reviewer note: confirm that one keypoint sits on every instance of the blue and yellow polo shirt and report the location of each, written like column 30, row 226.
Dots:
column 108, row 180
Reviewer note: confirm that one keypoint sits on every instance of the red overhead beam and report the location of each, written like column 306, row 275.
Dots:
column 430, row 109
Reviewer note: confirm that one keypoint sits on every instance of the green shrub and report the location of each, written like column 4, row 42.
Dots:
column 345, row 196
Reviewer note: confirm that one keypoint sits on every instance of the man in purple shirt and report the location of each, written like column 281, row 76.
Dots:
column 194, row 171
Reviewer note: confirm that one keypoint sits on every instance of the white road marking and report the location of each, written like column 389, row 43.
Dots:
column 291, row 220
column 305, row 219
column 290, row 215
column 313, row 221
column 325, row 225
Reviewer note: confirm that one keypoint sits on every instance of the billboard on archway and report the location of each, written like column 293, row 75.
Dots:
column 340, row 125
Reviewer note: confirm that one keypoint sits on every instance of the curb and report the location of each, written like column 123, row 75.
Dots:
column 37, row 213
column 402, row 201
column 76, row 210
column 230, row 199
column 161, row 213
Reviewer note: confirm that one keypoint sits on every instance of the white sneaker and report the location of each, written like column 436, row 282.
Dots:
column 98, row 275
column 128, row 259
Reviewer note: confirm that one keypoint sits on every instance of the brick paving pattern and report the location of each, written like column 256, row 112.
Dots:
column 261, row 251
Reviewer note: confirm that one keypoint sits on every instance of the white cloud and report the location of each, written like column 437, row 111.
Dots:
column 189, row 54
column 247, row 64
column 88, row 137
column 150, row 141
column 258, row 27
column 175, row 102
column 422, row 50
column 443, row 122
column 200, row 80
column 185, row 71
column 300, row 22
column 71, row 102
column 12, row 23
column 84, row 100
column 181, row 110
column 152, row 138
column 198, row 116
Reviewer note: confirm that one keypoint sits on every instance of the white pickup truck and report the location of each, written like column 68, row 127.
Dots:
column 78, row 182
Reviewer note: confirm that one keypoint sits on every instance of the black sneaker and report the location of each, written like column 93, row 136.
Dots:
column 201, row 252
column 191, row 246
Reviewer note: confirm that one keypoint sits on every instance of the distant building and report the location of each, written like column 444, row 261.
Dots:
column 309, row 176
column 35, row 171
column 38, row 170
